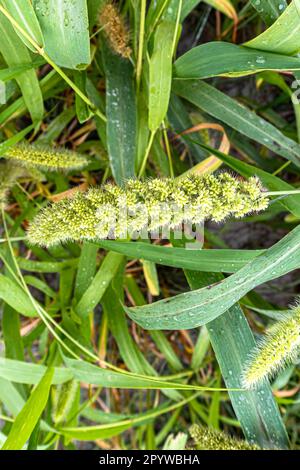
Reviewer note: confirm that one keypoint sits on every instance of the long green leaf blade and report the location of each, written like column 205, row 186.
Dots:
column 89, row 373
column 121, row 115
column 237, row 116
column 160, row 74
column 202, row 306
column 226, row 261
column 65, row 28
column 28, row 417
column 223, row 58
column 99, row 285
column 28, row 373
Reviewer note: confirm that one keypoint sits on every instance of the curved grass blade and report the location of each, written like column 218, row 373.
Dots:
column 226, row 261
column 226, row 59
column 28, row 417
column 199, row 307
column 83, row 111
column 65, row 27
column 99, row 284
column 28, row 373
column 237, row 116
column 89, row 373
column 283, row 37
column 14, row 348
column 224, row 6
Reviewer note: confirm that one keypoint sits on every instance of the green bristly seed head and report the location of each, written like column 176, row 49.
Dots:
column 154, row 203
column 279, row 347
column 211, row 439
column 9, row 173
column 45, row 158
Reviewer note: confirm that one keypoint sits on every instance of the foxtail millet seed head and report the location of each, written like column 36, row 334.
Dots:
column 279, row 347
column 117, row 212
column 115, row 29
column 211, row 439
column 45, row 157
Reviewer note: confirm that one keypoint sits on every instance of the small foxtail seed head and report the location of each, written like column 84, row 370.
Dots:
column 278, row 348
column 45, row 157
column 149, row 205
column 115, row 30
column 211, row 439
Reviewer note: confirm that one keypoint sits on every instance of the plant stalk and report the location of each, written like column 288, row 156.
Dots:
column 141, row 44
